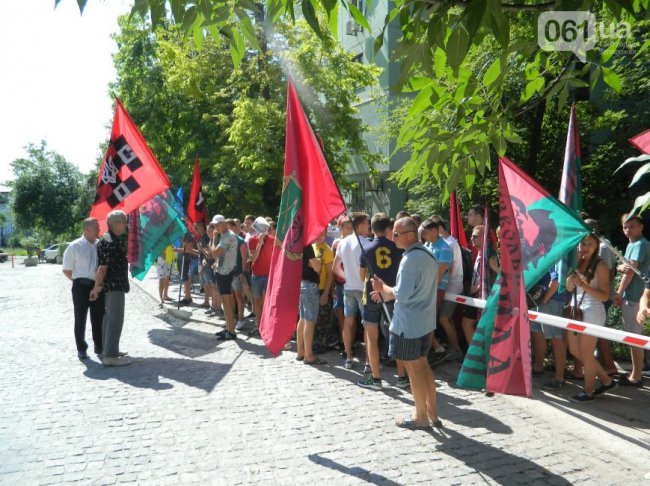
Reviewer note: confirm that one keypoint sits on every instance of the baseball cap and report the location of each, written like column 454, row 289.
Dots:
column 218, row 219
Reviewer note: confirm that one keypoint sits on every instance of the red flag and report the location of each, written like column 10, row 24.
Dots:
column 456, row 221
column 509, row 369
column 484, row 269
column 134, row 240
column 196, row 211
column 642, row 141
column 310, row 200
column 130, row 174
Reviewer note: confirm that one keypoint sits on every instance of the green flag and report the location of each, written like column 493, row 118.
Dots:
column 548, row 230
column 160, row 224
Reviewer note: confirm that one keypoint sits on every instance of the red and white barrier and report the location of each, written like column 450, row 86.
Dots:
column 583, row 327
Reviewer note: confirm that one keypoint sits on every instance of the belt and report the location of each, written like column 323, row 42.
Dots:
column 84, row 281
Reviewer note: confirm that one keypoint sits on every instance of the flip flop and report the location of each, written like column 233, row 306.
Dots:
column 318, row 361
column 437, row 423
column 300, row 358
column 407, row 423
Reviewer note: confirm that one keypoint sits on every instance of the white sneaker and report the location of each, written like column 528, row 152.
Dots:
column 121, row 361
column 240, row 325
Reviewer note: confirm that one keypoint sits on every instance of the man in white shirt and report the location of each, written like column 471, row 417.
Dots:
column 80, row 266
column 347, row 265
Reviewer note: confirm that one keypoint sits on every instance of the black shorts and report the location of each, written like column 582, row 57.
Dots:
column 470, row 312
column 224, row 282
column 373, row 312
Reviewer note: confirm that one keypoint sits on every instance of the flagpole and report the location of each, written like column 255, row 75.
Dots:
column 620, row 256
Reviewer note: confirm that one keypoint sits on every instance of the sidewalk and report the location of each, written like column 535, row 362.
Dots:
column 193, row 312
column 623, row 405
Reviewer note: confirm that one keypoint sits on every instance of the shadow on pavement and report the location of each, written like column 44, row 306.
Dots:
column 146, row 373
column 602, row 415
column 186, row 342
column 357, row 472
column 246, row 344
column 502, row 467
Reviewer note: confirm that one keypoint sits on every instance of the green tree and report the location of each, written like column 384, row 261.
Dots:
column 188, row 101
column 437, row 39
column 46, row 192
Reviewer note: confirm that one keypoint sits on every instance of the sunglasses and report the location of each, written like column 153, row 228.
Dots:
column 396, row 235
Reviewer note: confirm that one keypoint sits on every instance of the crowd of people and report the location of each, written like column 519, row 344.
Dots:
column 390, row 276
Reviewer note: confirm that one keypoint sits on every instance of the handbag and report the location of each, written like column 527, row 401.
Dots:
column 573, row 311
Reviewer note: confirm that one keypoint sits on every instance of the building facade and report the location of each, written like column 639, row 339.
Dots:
column 375, row 193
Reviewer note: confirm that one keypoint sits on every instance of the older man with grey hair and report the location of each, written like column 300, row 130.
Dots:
column 80, row 266
column 112, row 280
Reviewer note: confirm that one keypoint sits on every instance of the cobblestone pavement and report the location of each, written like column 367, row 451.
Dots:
column 191, row 410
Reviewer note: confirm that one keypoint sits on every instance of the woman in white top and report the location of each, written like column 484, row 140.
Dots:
column 591, row 282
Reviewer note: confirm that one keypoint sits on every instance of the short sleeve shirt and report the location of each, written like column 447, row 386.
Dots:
column 81, row 258
column 324, row 252
column 384, row 258
column 111, row 252
column 308, row 273
column 349, row 252
column 441, row 250
column 262, row 266
column 227, row 262
column 640, row 252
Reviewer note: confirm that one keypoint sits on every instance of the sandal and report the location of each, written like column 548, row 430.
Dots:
column 300, row 358
column 408, row 423
column 317, row 361
column 437, row 423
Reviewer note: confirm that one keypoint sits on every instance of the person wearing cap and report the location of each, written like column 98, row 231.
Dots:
column 225, row 255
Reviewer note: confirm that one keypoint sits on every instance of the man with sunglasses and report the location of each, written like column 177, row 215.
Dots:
column 413, row 320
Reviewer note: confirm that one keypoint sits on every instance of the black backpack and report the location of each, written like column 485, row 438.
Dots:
column 468, row 269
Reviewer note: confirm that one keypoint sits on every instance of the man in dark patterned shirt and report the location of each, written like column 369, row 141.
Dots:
column 113, row 280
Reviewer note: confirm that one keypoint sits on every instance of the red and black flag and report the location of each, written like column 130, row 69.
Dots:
column 196, row 211
column 130, row 173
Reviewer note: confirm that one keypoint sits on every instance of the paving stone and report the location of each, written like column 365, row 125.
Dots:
column 191, row 410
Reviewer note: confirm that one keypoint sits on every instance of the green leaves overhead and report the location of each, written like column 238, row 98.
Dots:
column 482, row 59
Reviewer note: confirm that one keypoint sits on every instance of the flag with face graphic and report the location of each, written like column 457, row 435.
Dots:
column 510, row 368
column 570, row 189
column 160, row 224
column 547, row 230
column 196, row 209
column 130, row 173
column 310, row 200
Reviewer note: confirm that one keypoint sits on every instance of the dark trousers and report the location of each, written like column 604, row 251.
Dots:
column 80, row 298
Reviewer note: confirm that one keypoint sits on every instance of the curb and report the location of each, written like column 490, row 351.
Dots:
column 178, row 313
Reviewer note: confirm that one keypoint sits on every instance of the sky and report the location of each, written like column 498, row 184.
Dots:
column 56, row 66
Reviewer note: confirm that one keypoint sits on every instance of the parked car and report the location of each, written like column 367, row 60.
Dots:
column 3, row 258
column 51, row 252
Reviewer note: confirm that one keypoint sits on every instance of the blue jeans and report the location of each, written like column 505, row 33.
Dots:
column 309, row 300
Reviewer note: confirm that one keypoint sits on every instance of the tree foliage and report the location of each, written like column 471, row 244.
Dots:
column 47, row 193
column 459, row 117
column 191, row 102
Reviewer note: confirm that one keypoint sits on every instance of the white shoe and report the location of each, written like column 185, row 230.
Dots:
column 122, row 361
column 240, row 325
